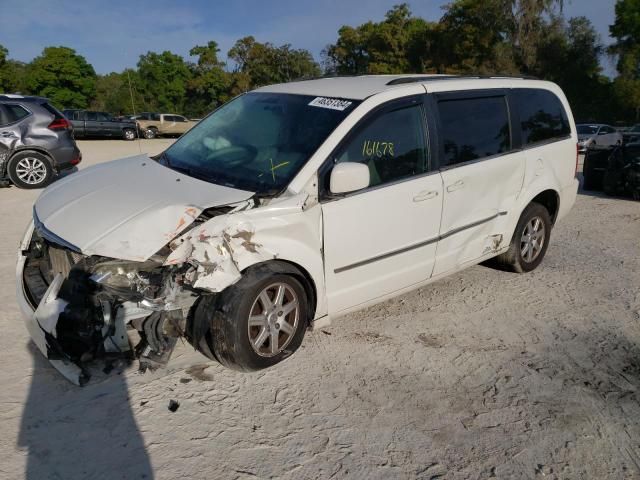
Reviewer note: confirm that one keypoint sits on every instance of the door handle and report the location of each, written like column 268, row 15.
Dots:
column 455, row 186
column 420, row 197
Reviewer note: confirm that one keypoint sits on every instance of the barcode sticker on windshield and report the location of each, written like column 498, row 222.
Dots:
column 332, row 103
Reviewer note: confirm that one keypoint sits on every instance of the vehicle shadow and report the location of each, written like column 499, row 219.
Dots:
column 73, row 432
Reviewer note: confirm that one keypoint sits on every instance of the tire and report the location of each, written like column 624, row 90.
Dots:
column 231, row 339
column 129, row 134
column 150, row 133
column 514, row 259
column 29, row 170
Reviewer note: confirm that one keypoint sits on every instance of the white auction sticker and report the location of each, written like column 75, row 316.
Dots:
column 332, row 103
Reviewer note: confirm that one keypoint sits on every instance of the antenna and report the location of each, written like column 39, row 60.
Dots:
column 133, row 107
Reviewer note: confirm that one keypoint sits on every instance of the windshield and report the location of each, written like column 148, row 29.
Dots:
column 587, row 129
column 257, row 142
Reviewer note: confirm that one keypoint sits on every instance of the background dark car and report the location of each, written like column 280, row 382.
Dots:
column 87, row 123
column 614, row 170
column 36, row 142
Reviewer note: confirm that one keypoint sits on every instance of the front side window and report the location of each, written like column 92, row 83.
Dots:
column 104, row 117
column 542, row 116
column 474, row 128
column 392, row 145
column 91, row 116
column 259, row 141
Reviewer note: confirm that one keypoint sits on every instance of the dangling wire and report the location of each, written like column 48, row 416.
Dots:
column 133, row 107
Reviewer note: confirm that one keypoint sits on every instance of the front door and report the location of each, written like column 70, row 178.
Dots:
column 482, row 177
column 383, row 238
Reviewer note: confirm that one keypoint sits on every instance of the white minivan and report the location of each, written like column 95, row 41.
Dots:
column 291, row 205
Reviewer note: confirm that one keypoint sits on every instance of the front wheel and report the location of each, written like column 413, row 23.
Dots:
column 257, row 322
column 530, row 240
column 150, row 133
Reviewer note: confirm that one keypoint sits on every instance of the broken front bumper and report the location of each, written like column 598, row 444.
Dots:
column 74, row 318
column 41, row 320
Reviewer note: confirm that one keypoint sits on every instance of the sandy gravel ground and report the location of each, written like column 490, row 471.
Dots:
column 482, row 375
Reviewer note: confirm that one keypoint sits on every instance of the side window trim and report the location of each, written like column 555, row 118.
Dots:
column 387, row 107
column 505, row 93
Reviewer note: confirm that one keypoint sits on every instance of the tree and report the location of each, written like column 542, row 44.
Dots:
column 390, row 46
column 63, row 76
column 209, row 84
column 264, row 63
column 163, row 79
column 626, row 32
column 476, row 37
column 113, row 93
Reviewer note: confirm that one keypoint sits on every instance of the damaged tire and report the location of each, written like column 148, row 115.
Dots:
column 530, row 240
column 257, row 322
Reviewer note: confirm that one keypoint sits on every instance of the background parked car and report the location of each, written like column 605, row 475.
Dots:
column 87, row 123
column 36, row 142
column 632, row 134
column 167, row 124
column 615, row 170
column 591, row 134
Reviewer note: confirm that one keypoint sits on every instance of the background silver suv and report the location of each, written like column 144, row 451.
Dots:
column 36, row 142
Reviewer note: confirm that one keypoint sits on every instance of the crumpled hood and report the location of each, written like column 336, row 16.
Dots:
column 127, row 209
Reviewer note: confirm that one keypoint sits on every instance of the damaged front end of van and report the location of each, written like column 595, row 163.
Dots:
column 142, row 271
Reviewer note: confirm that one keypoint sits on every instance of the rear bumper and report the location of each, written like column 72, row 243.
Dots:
column 66, row 157
column 568, row 198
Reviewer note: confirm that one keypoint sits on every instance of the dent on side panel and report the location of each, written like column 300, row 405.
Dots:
column 7, row 146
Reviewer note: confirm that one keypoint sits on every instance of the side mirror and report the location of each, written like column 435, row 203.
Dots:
column 348, row 177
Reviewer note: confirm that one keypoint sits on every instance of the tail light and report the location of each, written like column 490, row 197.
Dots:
column 76, row 160
column 60, row 124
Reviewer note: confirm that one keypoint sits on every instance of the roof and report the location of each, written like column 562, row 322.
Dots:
column 21, row 98
column 363, row 86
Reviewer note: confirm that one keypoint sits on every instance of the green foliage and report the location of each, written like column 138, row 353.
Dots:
column 264, row 63
column 472, row 37
column 391, row 46
column 626, row 31
column 63, row 76
column 163, row 80
column 209, row 84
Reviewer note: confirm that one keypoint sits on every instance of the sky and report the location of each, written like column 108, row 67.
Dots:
column 112, row 34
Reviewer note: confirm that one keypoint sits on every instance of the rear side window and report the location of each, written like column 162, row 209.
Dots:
column 542, row 116
column 15, row 113
column 474, row 128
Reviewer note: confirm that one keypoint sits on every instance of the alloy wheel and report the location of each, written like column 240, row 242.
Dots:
column 273, row 319
column 532, row 239
column 31, row 170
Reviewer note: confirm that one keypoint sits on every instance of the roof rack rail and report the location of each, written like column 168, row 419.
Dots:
column 431, row 78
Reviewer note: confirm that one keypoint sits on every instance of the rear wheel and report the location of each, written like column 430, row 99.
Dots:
column 30, row 170
column 257, row 322
column 129, row 134
column 530, row 240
